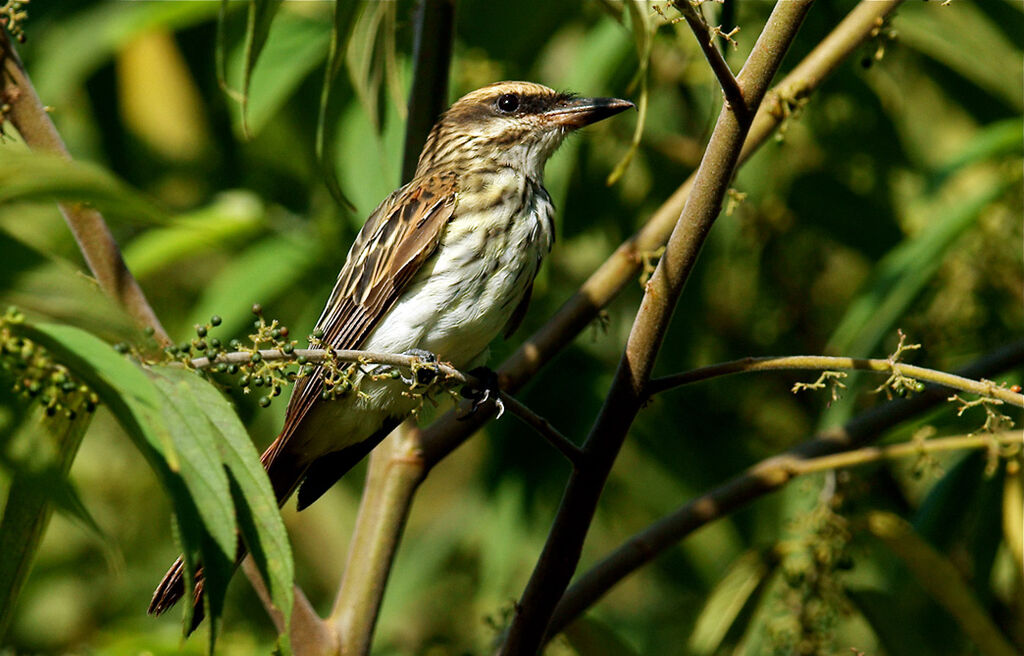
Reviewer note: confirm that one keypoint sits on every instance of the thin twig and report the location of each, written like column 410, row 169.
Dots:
column 544, row 427
column 562, row 550
column 730, row 87
column 369, row 358
column 871, row 454
column 757, row 481
column 28, row 115
column 818, row 362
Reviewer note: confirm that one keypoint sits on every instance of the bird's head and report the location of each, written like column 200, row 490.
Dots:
column 515, row 123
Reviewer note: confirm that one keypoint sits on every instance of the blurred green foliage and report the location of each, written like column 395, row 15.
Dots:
column 893, row 201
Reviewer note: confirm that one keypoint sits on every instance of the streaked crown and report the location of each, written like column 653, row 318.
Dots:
column 519, row 124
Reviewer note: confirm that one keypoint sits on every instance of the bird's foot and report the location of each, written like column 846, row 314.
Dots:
column 423, row 372
column 485, row 390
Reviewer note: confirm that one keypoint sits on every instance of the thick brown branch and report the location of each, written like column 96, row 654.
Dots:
column 761, row 479
column 561, row 553
column 94, row 238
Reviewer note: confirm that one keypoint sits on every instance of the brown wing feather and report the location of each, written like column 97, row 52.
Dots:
column 401, row 234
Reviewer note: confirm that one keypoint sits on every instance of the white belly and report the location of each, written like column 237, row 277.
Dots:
column 460, row 300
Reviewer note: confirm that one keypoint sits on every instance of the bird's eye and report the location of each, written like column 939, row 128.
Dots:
column 508, row 103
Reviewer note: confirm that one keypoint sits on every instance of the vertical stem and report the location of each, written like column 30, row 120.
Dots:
column 396, row 466
column 432, row 53
column 94, row 238
column 561, row 553
column 395, row 472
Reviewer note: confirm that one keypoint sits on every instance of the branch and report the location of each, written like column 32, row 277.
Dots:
column 90, row 231
column 757, row 481
column 621, row 268
column 432, row 54
column 817, row 362
column 393, row 476
column 730, row 87
column 562, row 551
column 372, row 358
column 564, row 445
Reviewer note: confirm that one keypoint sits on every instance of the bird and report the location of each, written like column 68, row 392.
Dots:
column 442, row 266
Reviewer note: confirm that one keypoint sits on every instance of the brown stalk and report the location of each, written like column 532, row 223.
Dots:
column 28, row 115
column 564, row 545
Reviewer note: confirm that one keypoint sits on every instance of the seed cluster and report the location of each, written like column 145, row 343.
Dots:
column 38, row 378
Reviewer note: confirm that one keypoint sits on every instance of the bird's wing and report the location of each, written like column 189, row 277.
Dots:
column 394, row 243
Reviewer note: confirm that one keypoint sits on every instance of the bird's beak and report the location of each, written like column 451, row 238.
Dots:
column 574, row 113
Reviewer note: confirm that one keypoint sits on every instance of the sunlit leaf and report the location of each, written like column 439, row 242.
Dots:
column 345, row 12
column 295, row 47
column 34, row 176
column 30, row 501
column 936, row 574
column 259, row 521
column 257, row 28
column 260, row 274
column 727, row 599
column 233, row 216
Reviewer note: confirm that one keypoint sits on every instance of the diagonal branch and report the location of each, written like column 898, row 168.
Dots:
column 820, row 362
column 544, row 428
column 757, row 481
column 94, row 238
column 562, row 551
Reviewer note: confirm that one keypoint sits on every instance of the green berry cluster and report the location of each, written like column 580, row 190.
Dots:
column 12, row 16
column 339, row 378
column 38, row 378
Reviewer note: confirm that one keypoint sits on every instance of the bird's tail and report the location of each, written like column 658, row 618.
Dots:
column 285, row 475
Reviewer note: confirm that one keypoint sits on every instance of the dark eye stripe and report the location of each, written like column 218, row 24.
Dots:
column 528, row 103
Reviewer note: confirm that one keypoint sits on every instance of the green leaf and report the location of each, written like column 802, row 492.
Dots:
column 261, row 273
column 233, row 216
column 640, row 21
column 49, row 287
column 296, row 46
column 590, row 636
column 983, row 54
column 259, row 520
column 29, row 505
column 941, row 579
column 726, row 600
column 1001, row 139
column 33, row 176
column 370, row 57
column 257, row 28
column 194, row 479
column 902, row 274
column 345, row 13
column 195, row 442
